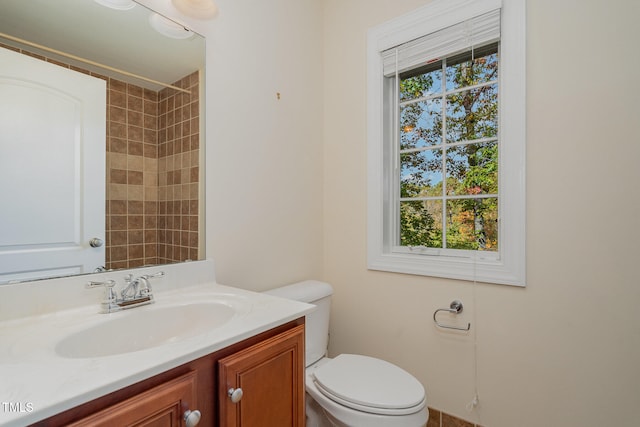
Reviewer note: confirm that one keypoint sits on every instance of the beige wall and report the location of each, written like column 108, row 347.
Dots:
column 264, row 174
column 564, row 351
column 264, row 179
column 286, row 199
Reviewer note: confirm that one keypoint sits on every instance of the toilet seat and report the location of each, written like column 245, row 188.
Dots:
column 370, row 385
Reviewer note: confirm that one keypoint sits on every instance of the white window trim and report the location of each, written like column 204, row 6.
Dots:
column 509, row 267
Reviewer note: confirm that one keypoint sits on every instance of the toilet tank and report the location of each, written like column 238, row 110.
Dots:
column 316, row 323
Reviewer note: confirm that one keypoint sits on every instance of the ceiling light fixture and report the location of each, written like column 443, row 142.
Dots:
column 168, row 28
column 117, row 4
column 199, row 9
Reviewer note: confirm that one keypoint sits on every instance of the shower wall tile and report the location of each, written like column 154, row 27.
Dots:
column 145, row 129
column 178, row 182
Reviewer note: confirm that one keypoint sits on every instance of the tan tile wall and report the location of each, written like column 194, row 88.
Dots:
column 132, row 175
column 152, row 183
column 179, row 172
column 153, row 174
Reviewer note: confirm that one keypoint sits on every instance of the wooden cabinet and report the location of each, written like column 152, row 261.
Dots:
column 269, row 367
column 270, row 379
column 162, row 406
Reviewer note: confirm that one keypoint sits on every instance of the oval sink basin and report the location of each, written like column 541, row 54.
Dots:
column 143, row 328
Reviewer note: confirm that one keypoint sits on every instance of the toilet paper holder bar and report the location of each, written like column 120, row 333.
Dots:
column 455, row 307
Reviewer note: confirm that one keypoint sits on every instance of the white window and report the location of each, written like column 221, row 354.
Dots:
column 446, row 142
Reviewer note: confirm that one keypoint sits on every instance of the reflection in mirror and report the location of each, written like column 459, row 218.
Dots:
column 152, row 177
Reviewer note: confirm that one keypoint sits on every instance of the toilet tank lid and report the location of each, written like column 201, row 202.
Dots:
column 306, row 291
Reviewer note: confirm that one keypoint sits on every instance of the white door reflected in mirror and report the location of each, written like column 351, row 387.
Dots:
column 53, row 206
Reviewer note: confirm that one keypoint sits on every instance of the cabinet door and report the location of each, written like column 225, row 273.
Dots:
column 161, row 406
column 271, row 376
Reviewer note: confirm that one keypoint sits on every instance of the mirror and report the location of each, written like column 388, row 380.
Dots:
column 154, row 136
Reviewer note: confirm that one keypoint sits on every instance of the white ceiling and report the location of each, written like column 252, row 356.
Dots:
column 123, row 39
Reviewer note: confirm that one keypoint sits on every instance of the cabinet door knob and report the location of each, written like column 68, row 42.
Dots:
column 235, row 394
column 192, row 418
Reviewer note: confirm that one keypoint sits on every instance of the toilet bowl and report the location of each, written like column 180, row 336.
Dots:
column 351, row 390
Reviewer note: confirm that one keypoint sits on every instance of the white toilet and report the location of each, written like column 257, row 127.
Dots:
column 351, row 390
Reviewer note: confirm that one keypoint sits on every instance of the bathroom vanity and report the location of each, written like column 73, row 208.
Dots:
column 267, row 369
column 203, row 354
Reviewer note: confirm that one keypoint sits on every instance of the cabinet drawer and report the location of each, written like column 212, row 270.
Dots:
column 161, row 406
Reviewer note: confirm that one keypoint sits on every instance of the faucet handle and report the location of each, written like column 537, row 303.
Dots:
column 109, row 294
column 153, row 276
column 145, row 288
column 95, row 284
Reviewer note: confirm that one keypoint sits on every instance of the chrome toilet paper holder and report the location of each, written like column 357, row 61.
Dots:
column 455, row 307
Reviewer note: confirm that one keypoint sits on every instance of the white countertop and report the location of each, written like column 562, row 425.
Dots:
column 36, row 383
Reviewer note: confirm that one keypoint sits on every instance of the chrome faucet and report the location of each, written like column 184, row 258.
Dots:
column 136, row 292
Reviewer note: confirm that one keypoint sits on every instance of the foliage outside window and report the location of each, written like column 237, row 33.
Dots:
column 448, row 144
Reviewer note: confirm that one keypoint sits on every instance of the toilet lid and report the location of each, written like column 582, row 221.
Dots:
column 369, row 384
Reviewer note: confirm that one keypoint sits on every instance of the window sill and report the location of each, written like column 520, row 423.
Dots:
column 481, row 268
